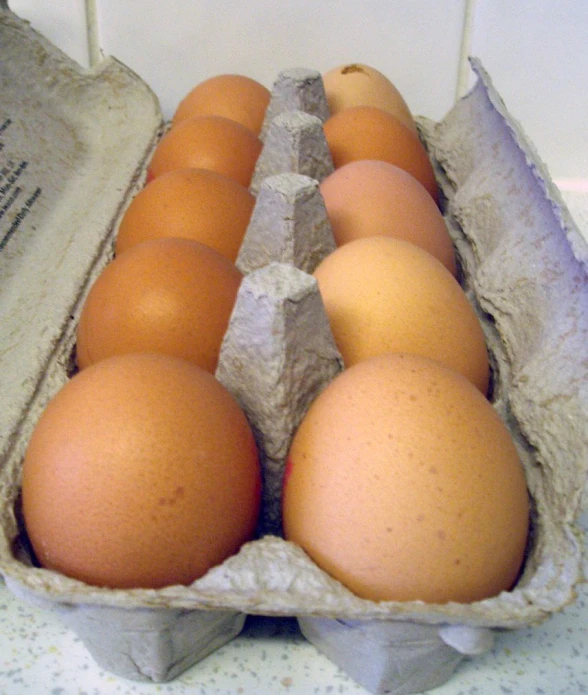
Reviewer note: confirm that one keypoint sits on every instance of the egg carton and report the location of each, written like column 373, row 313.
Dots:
column 523, row 264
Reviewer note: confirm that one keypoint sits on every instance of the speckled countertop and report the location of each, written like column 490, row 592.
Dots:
column 39, row 656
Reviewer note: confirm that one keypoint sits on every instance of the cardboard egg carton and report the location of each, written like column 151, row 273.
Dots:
column 523, row 265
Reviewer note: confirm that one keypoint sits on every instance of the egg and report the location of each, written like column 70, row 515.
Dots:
column 383, row 294
column 357, row 84
column 173, row 296
column 370, row 197
column 196, row 204
column 404, row 484
column 237, row 97
column 367, row 132
column 141, row 472
column 208, row 142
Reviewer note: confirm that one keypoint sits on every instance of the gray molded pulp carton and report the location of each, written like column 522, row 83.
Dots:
column 73, row 151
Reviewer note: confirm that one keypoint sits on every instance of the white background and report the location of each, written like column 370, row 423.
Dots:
column 535, row 50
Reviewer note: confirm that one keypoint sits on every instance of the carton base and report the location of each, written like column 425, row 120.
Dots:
column 151, row 645
column 394, row 657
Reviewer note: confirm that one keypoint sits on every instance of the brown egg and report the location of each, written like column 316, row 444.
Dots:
column 173, row 296
column 141, row 472
column 404, row 484
column 193, row 204
column 356, row 84
column 366, row 132
column 387, row 295
column 370, row 197
column 208, row 142
column 237, row 97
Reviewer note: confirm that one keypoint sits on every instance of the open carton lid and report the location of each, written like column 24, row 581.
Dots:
column 72, row 147
column 525, row 265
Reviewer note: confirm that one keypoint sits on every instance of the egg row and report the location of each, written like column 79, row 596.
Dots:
column 405, row 431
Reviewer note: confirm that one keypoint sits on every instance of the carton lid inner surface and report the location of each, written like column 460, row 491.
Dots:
column 71, row 143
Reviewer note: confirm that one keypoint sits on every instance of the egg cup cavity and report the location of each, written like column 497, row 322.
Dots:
column 523, row 265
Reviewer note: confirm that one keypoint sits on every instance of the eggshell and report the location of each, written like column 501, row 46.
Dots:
column 173, row 296
column 196, row 204
column 366, row 132
column 404, row 484
column 370, row 197
column 208, row 142
column 237, row 97
column 357, row 84
column 141, row 472
column 387, row 295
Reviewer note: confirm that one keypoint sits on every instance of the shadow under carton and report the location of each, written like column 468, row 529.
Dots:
column 524, row 269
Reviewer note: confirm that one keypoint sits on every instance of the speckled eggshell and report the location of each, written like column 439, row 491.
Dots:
column 208, row 142
column 141, row 472
column 404, row 484
column 357, row 84
column 375, row 198
column 366, row 132
column 387, row 295
column 168, row 295
column 238, row 97
column 196, row 204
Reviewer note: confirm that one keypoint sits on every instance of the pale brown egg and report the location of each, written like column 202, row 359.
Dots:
column 356, row 84
column 366, row 132
column 208, row 142
column 237, row 97
column 372, row 198
column 404, row 484
column 196, row 204
column 173, row 296
column 141, row 472
column 387, row 295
